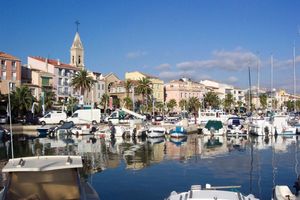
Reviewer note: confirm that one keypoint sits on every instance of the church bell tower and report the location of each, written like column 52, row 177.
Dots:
column 77, row 51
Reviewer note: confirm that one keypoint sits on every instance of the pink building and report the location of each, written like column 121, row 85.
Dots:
column 183, row 89
column 10, row 71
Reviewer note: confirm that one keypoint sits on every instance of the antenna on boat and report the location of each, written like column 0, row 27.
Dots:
column 271, row 82
column 10, row 126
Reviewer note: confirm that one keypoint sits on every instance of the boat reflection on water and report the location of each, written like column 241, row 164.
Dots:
column 195, row 151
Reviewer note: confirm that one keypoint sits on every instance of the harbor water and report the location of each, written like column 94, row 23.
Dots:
column 153, row 168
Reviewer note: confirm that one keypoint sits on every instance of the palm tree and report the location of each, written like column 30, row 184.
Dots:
column 49, row 99
column 82, row 81
column 160, row 106
column 144, row 88
column 183, row 104
column 21, row 100
column 211, row 99
column 128, row 102
column 228, row 101
column 128, row 85
column 104, row 101
column 71, row 104
column 171, row 104
column 116, row 102
column 194, row 105
column 263, row 100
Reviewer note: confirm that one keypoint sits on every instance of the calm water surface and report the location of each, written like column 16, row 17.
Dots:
column 151, row 169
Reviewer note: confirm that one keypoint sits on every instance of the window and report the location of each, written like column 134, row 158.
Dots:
column 98, row 86
column 79, row 61
column 72, row 59
column 14, row 65
column 3, row 75
column 60, row 81
column 14, row 76
column 102, row 86
column 3, row 64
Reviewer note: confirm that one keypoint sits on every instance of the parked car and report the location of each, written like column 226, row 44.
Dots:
column 53, row 117
column 3, row 117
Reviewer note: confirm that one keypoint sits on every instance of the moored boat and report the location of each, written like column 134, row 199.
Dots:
column 283, row 192
column 210, row 193
column 178, row 131
column 156, row 131
column 46, row 177
column 213, row 127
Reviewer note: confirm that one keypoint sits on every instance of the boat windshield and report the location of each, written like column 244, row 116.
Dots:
column 48, row 185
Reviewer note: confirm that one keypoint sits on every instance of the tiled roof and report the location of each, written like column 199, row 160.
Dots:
column 56, row 63
column 8, row 56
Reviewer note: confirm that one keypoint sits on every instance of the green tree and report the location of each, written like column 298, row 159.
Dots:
column 104, row 101
column 49, row 99
column 228, row 101
column 128, row 103
column 144, row 88
column 183, row 104
column 159, row 106
column 171, row 104
column 82, row 81
column 21, row 100
column 71, row 104
column 298, row 105
column 263, row 100
column 116, row 102
column 212, row 100
column 128, row 85
column 3, row 100
column 194, row 105
column 290, row 105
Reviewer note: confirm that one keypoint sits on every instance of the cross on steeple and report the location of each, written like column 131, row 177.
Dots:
column 77, row 24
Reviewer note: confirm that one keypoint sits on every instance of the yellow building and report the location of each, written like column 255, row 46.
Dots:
column 157, row 84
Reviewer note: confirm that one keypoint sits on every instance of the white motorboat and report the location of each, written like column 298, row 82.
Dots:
column 156, row 131
column 205, row 116
column 283, row 192
column 210, row 193
column 46, row 177
column 236, row 126
column 83, row 129
column 213, row 127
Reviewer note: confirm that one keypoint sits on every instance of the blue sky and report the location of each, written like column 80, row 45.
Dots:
column 199, row 39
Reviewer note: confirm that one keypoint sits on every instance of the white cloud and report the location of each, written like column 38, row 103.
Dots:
column 232, row 79
column 284, row 63
column 227, row 60
column 136, row 54
column 164, row 66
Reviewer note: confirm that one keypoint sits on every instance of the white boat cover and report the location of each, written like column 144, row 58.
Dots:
column 42, row 163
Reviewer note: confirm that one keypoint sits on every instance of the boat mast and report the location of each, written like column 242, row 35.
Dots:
column 250, row 96
column 271, row 93
column 258, row 70
column 294, row 64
